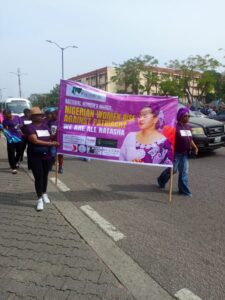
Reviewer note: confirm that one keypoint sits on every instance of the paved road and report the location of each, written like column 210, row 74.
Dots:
column 181, row 245
column 41, row 255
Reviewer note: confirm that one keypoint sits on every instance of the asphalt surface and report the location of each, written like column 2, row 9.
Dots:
column 41, row 255
column 180, row 245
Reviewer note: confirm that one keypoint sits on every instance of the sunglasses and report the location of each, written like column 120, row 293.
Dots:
column 186, row 116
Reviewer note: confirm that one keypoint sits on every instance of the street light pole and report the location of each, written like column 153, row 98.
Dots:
column 62, row 49
column 18, row 74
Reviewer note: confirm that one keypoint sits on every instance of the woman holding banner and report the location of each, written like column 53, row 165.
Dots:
column 148, row 145
column 39, row 154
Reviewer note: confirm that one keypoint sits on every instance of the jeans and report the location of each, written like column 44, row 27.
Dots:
column 181, row 164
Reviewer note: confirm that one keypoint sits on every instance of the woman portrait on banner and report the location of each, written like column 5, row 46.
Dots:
column 149, row 144
column 39, row 154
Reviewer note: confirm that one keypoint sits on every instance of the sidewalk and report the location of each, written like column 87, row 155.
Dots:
column 41, row 255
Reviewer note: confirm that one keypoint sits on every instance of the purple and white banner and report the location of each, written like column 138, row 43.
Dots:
column 116, row 127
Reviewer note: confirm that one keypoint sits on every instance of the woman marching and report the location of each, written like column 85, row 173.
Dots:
column 183, row 144
column 39, row 154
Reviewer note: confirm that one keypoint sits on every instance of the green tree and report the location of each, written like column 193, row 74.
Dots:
column 171, row 87
column 196, row 78
column 128, row 74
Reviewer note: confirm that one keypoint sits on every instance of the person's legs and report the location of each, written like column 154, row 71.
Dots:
column 24, row 145
column 46, row 166
column 165, row 175
column 11, row 155
column 60, row 160
column 183, row 169
column 19, row 151
column 37, row 170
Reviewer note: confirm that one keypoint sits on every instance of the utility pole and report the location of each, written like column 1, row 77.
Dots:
column 18, row 74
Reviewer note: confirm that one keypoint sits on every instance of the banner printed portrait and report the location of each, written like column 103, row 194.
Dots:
column 116, row 127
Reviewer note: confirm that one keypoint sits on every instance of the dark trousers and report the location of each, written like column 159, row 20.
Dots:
column 24, row 145
column 14, row 153
column 40, row 170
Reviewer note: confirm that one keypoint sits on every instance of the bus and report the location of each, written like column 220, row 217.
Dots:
column 17, row 105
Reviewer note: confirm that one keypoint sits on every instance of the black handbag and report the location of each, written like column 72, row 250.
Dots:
column 40, row 150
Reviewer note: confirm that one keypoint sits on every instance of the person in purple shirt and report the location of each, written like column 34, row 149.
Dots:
column 13, row 125
column 183, row 144
column 39, row 154
column 25, row 119
column 148, row 145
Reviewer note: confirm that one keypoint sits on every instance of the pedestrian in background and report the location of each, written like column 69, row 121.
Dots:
column 53, row 126
column 25, row 122
column 39, row 154
column 14, row 146
column 183, row 144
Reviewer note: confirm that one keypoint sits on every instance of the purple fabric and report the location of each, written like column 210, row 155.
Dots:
column 13, row 126
column 182, row 111
column 157, row 153
column 31, row 129
column 182, row 143
column 95, row 124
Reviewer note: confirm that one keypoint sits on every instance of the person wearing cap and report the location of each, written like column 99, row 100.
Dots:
column 39, row 154
column 14, row 149
column 183, row 144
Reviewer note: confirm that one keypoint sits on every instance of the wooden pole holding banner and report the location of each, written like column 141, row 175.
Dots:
column 56, row 169
column 171, row 184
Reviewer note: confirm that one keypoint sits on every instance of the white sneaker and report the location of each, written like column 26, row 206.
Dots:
column 40, row 204
column 14, row 171
column 45, row 198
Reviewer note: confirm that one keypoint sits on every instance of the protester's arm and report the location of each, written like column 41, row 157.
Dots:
column 34, row 140
column 194, row 147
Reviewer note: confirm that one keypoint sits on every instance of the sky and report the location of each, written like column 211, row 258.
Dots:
column 105, row 32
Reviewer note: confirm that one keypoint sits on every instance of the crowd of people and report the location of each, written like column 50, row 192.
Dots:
column 209, row 110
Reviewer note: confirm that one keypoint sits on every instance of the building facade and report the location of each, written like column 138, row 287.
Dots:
column 102, row 79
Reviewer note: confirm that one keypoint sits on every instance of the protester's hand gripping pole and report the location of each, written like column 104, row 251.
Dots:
column 171, row 184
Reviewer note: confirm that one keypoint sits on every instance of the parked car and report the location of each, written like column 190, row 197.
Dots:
column 208, row 134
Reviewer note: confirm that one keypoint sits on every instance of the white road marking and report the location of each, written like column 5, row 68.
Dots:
column 60, row 185
column 185, row 294
column 102, row 223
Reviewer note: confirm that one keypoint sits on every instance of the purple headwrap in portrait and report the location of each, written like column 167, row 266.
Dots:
column 181, row 112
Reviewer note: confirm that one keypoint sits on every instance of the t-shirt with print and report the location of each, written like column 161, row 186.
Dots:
column 42, row 132
column 13, row 125
column 183, row 138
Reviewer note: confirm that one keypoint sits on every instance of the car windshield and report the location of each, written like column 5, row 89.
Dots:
column 17, row 107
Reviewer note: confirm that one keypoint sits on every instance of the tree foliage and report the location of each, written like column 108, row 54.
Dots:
column 128, row 74
column 196, row 76
column 46, row 100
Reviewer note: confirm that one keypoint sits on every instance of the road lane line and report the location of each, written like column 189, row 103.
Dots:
column 60, row 185
column 185, row 294
column 102, row 223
